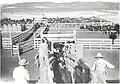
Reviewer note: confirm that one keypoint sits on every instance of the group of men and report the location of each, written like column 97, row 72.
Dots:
column 100, row 66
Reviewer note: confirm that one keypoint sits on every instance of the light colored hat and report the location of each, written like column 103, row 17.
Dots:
column 99, row 55
column 23, row 62
column 66, row 44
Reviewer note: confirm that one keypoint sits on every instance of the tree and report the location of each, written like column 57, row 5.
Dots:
column 23, row 21
column 116, row 28
column 23, row 27
column 113, row 37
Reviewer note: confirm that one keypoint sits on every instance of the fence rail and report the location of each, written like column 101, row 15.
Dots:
column 37, row 42
column 87, row 43
column 6, row 43
column 26, row 45
column 23, row 36
column 71, row 25
column 99, row 43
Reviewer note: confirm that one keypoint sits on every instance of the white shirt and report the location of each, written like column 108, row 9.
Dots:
column 21, row 75
column 101, row 65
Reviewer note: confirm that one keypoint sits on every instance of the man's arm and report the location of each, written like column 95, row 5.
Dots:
column 27, row 75
column 37, row 56
column 94, row 66
column 14, row 74
column 109, row 65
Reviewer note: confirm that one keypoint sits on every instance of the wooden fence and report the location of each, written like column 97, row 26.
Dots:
column 99, row 43
column 6, row 43
column 12, row 28
column 37, row 42
column 77, row 25
column 87, row 43
column 26, row 46
column 23, row 36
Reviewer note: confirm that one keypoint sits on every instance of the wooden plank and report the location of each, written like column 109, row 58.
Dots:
column 57, row 35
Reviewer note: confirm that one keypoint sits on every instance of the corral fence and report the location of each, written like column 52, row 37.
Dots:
column 6, row 43
column 99, row 43
column 15, row 51
column 87, row 43
column 84, row 24
column 77, row 25
column 12, row 28
column 26, row 46
column 23, row 36
column 37, row 42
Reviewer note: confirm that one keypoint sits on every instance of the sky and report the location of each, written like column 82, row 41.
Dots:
column 56, row 1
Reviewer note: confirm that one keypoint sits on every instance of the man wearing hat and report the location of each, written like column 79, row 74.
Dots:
column 20, row 74
column 100, row 66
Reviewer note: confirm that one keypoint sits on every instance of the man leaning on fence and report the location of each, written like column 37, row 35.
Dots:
column 20, row 74
column 99, row 68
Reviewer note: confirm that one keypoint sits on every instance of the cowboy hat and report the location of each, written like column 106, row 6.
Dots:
column 99, row 55
column 66, row 44
column 23, row 62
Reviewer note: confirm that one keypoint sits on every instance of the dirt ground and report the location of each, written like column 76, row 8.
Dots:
column 111, row 56
column 10, row 62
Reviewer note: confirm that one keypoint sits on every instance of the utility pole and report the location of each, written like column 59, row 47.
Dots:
column 75, row 39
column 11, row 39
column 45, row 73
column 11, row 43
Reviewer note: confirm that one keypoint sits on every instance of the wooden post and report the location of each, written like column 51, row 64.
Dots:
column 89, row 44
column 18, row 51
column 79, row 51
column 45, row 75
column 101, row 44
column 11, row 43
column 74, row 36
column 41, row 34
column 111, row 44
column 34, row 40
column 52, row 46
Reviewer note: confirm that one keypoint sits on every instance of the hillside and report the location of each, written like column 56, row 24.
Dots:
column 59, row 7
